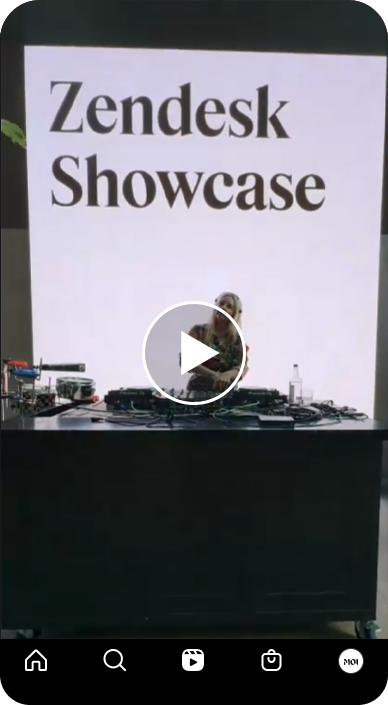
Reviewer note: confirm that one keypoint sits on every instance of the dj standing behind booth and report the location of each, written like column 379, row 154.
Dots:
column 221, row 335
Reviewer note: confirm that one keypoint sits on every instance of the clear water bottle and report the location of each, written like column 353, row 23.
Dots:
column 295, row 387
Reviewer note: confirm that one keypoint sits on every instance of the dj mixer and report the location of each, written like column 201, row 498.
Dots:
column 148, row 399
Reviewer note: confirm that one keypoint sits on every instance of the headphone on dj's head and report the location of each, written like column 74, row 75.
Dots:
column 234, row 297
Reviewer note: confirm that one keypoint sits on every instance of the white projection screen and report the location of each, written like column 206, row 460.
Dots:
column 262, row 175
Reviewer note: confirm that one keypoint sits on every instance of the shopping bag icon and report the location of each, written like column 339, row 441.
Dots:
column 271, row 661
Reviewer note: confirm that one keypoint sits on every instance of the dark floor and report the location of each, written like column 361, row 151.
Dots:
column 343, row 630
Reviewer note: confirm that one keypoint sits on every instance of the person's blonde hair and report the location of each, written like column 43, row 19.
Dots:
column 237, row 313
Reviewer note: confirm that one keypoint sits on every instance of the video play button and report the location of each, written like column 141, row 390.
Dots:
column 194, row 353
column 174, row 357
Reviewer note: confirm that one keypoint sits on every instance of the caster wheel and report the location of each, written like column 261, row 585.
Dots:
column 366, row 630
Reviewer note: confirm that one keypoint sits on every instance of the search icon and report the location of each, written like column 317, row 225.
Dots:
column 116, row 665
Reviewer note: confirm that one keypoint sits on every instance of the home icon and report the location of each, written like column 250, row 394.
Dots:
column 35, row 660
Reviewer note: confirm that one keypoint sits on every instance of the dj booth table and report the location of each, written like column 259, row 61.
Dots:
column 108, row 526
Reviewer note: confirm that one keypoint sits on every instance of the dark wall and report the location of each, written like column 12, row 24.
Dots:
column 13, row 161
column 16, row 323
column 381, row 394
column 16, row 317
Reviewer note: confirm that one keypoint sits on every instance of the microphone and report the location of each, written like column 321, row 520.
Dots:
column 64, row 367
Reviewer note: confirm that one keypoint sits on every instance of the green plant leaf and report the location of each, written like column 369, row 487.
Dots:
column 13, row 132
